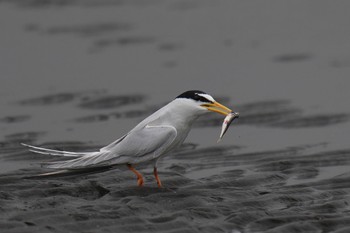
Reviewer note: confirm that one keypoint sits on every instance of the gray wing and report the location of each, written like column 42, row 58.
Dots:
column 140, row 145
column 150, row 140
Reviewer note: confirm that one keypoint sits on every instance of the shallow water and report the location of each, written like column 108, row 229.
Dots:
column 76, row 75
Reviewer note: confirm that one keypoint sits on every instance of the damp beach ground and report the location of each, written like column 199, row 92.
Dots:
column 77, row 75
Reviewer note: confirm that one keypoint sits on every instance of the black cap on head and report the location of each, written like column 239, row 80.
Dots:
column 193, row 94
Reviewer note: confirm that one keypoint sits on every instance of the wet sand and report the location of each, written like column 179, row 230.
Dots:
column 208, row 190
column 220, row 188
column 77, row 75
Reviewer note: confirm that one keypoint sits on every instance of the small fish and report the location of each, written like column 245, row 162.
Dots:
column 227, row 121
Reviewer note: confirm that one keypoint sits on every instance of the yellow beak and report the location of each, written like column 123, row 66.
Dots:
column 217, row 107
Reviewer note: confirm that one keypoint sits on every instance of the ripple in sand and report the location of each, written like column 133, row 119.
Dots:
column 89, row 99
column 88, row 30
column 50, row 99
column 115, row 115
column 122, row 41
column 15, row 119
column 320, row 120
column 106, row 102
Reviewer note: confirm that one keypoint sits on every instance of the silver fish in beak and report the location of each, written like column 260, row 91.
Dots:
column 227, row 121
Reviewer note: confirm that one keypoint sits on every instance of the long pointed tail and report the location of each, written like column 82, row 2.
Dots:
column 41, row 150
column 62, row 173
column 81, row 160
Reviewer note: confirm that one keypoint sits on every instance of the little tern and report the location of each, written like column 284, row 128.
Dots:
column 155, row 136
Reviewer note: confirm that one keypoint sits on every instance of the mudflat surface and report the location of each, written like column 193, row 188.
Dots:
column 76, row 75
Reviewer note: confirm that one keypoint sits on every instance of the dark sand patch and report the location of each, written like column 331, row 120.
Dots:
column 97, row 99
column 53, row 99
column 14, row 119
column 87, row 30
column 314, row 121
column 297, row 57
column 125, row 41
column 107, row 102
column 340, row 62
column 114, row 115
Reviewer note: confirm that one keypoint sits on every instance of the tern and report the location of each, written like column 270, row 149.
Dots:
column 155, row 136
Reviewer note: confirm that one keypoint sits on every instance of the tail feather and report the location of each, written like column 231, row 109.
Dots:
column 80, row 160
column 94, row 159
column 62, row 173
column 41, row 150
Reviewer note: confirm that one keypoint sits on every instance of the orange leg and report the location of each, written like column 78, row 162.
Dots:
column 155, row 172
column 138, row 174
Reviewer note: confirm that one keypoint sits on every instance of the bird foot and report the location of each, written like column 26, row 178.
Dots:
column 155, row 172
column 140, row 182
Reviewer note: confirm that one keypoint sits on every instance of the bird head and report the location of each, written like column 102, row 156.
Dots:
column 203, row 102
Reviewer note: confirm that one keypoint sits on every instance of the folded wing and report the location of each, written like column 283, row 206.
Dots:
column 141, row 145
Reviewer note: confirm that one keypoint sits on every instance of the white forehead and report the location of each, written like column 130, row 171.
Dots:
column 208, row 97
